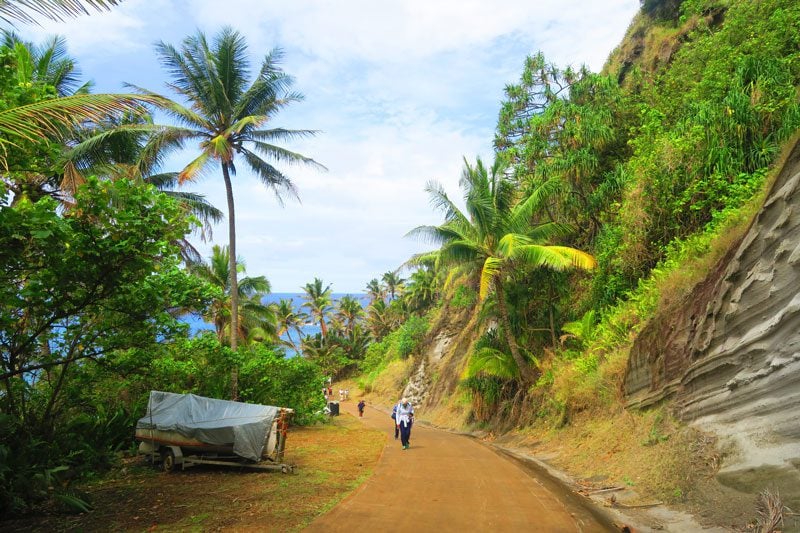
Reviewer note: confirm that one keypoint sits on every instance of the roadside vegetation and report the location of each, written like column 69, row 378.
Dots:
column 609, row 195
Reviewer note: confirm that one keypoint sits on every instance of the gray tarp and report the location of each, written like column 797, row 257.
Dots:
column 215, row 422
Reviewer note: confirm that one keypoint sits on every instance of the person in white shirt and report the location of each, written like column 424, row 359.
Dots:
column 404, row 419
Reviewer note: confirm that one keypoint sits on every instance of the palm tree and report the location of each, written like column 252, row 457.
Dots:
column 349, row 311
column 393, row 283
column 375, row 290
column 227, row 116
column 258, row 320
column 318, row 301
column 496, row 238
column 289, row 320
column 39, row 126
column 381, row 319
column 115, row 149
column 47, row 63
column 422, row 288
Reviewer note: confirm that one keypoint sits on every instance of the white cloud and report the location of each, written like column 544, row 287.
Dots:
column 401, row 91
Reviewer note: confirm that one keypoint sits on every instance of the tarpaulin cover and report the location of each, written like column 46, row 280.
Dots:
column 215, row 422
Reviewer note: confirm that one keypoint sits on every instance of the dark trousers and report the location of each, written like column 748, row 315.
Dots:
column 405, row 433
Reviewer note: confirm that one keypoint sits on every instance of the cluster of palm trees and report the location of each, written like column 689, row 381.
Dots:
column 218, row 111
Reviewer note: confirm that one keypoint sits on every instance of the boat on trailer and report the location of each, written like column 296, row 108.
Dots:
column 182, row 430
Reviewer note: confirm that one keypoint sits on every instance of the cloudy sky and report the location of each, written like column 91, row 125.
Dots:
column 400, row 91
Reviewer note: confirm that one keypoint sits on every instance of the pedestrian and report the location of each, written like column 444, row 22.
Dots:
column 404, row 419
column 361, row 406
column 330, row 392
column 394, row 421
column 346, row 394
column 341, row 395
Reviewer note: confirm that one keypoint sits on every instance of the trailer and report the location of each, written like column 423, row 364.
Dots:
column 182, row 430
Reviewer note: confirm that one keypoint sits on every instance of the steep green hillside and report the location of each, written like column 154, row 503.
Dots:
column 656, row 166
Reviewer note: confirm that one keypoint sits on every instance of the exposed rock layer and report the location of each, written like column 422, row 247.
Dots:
column 730, row 355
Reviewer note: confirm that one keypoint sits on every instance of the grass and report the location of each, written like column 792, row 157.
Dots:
column 331, row 461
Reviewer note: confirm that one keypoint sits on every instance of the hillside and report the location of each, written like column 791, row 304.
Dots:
column 674, row 361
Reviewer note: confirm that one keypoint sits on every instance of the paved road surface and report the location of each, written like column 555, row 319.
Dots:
column 447, row 482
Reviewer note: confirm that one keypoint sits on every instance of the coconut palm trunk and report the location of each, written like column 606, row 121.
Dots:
column 234, row 282
column 525, row 371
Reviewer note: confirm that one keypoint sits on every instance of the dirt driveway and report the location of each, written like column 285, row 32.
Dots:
column 449, row 482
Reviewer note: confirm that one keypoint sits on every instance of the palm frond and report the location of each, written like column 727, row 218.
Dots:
column 492, row 362
column 195, row 168
column 491, row 268
column 27, row 11
column 282, row 155
column 49, row 117
column 270, row 176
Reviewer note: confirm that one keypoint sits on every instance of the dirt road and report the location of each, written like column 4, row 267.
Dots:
column 449, row 482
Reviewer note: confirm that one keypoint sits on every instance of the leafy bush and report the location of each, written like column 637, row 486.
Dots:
column 410, row 335
column 464, row 297
column 269, row 378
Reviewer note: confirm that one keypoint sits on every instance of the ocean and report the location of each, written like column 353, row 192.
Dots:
column 197, row 324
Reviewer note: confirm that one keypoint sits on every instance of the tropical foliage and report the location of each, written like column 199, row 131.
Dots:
column 227, row 117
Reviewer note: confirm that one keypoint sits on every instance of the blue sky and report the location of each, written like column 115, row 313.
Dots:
column 400, row 91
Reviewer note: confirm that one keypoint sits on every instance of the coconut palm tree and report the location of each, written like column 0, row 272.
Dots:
column 34, row 124
column 496, row 238
column 115, row 149
column 226, row 116
column 375, row 290
column 47, row 63
column 349, row 312
column 422, row 287
column 290, row 320
column 258, row 320
column 318, row 302
column 393, row 283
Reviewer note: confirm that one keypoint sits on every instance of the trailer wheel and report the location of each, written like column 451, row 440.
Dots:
column 167, row 459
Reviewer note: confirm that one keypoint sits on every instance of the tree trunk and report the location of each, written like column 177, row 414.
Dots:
column 552, row 321
column 525, row 371
column 234, row 281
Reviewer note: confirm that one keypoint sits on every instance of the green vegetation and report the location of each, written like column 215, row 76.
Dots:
column 609, row 196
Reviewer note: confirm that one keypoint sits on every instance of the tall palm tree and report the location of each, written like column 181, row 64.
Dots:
column 496, row 238
column 393, row 283
column 318, row 302
column 258, row 320
column 227, row 116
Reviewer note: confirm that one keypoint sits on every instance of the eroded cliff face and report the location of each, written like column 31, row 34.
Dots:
column 442, row 359
column 729, row 356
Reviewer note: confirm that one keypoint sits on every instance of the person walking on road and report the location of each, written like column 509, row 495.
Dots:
column 404, row 419
column 361, row 406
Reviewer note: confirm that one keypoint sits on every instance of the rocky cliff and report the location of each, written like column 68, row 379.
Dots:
column 729, row 356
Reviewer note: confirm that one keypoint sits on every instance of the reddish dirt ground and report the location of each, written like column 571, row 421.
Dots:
column 449, row 482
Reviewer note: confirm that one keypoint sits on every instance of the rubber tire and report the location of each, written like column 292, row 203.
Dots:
column 167, row 460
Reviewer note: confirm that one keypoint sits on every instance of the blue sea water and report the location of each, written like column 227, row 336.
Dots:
column 197, row 324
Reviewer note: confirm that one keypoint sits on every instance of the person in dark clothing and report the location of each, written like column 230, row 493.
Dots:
column 361, row 406
column 404, row 419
